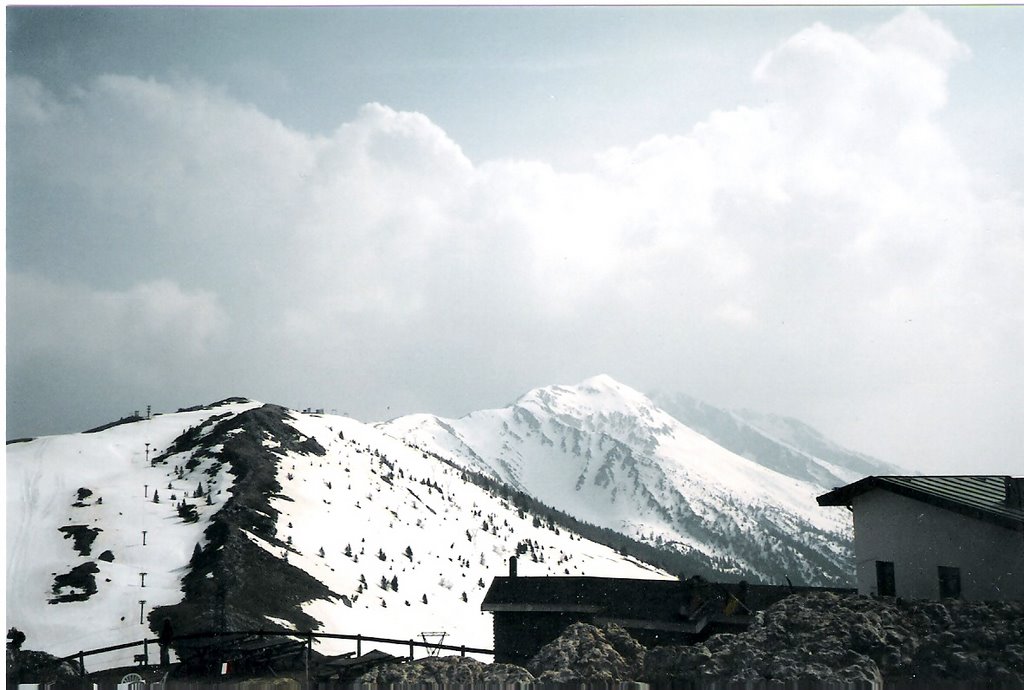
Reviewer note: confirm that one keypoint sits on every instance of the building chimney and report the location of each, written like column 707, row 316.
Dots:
column 513, row 567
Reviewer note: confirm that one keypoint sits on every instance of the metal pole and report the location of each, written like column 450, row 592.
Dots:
column 143, row 537
column 359, row 645
column 412, row 650
column 142, row 603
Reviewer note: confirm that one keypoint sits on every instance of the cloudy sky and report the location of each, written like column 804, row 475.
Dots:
column 811, row 211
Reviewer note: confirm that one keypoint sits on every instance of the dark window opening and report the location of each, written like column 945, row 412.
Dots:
column 949, row 582
column 885, row 578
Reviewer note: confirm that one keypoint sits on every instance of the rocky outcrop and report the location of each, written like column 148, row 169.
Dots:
column 814, row 640
column 586, row 652
column 847, row 639
column 446, row 670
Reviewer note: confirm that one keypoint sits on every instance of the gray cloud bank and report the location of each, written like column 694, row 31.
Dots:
column 825, row 253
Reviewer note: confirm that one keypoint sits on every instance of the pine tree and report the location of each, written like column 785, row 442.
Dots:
column 348, row 550
column 394, row 583
column 321, row 552
column 196, row 554
column 464, row 597
column 408, row 552
column 156, row 496
column 424, row 598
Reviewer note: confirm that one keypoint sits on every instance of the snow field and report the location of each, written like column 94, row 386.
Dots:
column 387, row 498
column 43, row 478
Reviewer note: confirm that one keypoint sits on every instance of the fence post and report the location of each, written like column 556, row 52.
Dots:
column 462, row 650
column 412, row 654
column 359, row 645
column 145, row 651
column 309, row 647
column 81, row 663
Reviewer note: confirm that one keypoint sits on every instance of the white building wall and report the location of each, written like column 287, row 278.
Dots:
column 918, row 537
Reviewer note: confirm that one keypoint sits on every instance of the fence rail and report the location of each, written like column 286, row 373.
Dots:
column 308, row 636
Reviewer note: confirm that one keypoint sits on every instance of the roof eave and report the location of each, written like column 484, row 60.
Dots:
column 844, row 495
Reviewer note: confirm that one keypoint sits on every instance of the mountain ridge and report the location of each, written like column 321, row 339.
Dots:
column 784, row 444
column 252, row 515
column 245, row 514
column 609, row 455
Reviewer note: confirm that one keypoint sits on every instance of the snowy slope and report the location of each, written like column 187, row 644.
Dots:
column 608, row 455
column 43, row 479
column 356, row 509
column 783, row 444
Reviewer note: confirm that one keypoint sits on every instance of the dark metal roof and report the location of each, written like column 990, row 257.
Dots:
column 992, row 498
column 664, row 601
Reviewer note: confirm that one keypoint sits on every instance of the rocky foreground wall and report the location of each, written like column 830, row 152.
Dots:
column 821, row 639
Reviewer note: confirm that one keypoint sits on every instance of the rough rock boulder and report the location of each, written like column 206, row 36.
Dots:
column 848, row 639
column 446, row 670
column 587, row 652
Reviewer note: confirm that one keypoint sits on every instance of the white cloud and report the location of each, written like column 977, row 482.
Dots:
column 155, row 325
column 770, row 256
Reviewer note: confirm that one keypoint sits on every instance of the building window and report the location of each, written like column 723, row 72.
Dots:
column 949, row 582
column 885, row 578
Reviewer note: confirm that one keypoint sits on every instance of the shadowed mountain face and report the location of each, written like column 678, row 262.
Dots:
column 609, row 455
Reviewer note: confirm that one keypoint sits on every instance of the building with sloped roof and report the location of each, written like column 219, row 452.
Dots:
column 936, row 537
column 530, row 612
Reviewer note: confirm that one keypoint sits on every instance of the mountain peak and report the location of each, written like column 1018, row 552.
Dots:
column 594, row 399
column 610, row 456
column 601, row 381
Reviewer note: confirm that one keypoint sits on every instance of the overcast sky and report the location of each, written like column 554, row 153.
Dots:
column 815, row 211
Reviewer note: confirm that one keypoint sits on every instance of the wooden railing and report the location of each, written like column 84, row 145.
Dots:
column 308, row 636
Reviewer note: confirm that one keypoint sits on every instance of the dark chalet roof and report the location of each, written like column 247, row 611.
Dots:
column 998, row 499
column 653, row 604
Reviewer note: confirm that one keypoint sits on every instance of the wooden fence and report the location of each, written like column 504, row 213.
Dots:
column 147, row 643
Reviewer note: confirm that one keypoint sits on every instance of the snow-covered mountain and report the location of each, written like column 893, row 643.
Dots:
column 608, row 455
column 241, row 515
column 783, row 444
